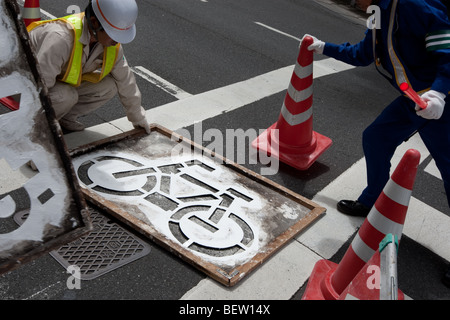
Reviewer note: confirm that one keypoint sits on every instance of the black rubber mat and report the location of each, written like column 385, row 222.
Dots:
column 107, row 247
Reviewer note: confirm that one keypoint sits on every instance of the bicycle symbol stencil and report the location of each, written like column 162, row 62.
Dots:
column 189, row 200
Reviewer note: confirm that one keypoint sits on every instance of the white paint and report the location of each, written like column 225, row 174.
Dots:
column 161, row 83
column 7, row 207
column 429, row 227
column 7, row 39
column 432, row 169
column 277, row 31
column 101, row 173
column 17, row 149
column 13, row 179
column 227, row 235
column 48, row 292
column 49, row 16
column 287, row 212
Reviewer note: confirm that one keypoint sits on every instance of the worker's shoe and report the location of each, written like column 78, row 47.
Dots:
column 446, row 278
column 71, row 125
column 353, row 208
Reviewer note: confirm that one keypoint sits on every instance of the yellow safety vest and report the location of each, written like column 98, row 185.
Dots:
column 73, row 73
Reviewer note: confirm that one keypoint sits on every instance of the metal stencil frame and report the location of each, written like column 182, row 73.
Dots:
column 105, row 162
column 58, row 213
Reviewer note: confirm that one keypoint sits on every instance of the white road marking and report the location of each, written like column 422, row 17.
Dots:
column 48, row 15
column 277, row 31
column 160, row 82
column 433, row 170
column 47, row 292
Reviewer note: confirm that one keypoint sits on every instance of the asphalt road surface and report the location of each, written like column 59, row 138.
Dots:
column 224, row 65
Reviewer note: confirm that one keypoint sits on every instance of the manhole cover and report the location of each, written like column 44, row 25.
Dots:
column 106, row 248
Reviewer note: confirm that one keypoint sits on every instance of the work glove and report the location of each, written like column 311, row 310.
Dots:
column 317, row 45
column 435, row 106
column 142, row 124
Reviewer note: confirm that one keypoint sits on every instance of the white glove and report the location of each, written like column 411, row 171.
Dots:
column 435, row 106
column 317, row 45
column 142, row 124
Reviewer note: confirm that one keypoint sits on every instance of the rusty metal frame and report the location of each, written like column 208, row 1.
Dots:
column 226, row 277
column 75, row 211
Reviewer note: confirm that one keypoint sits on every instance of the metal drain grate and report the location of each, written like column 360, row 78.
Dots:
column 107, row 247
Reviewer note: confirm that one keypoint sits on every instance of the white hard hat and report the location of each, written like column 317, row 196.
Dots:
column 117, row 18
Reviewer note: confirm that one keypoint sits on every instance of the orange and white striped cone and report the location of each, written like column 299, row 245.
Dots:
column 10, row 103
column 292, row 139
column 31, row 12
column 358, row 288
column 328, row 279
column 369, row 282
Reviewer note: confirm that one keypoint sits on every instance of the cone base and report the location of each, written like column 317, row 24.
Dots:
column 318, row 287
column 302, row 159
column 358, row 289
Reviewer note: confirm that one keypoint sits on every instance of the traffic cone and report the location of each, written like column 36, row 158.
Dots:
column 31, row 12
column 292, row 139
column 10, row 103
column 328, row 279
column 369, row 282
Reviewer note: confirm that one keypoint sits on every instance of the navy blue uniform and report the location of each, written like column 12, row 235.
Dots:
column 413, row 46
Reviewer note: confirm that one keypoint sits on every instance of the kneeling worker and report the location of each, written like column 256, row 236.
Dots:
column 82, row 61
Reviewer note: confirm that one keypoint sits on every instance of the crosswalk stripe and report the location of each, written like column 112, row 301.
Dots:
column 196, row 108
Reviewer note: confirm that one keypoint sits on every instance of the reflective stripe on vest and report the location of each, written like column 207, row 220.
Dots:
column 400, row 74
column 431, row 44
column 73, row 73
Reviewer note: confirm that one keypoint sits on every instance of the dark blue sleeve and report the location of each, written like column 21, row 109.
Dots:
column 440, row 22
column 427, row 18
column 442, row 81
column 360, row 54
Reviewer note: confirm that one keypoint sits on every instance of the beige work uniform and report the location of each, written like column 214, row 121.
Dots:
column 53, row 44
